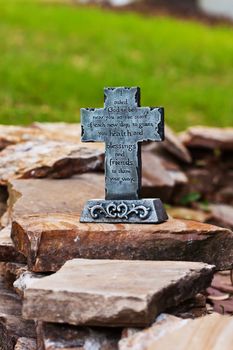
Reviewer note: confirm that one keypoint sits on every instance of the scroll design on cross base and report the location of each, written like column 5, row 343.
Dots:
column 122, row 211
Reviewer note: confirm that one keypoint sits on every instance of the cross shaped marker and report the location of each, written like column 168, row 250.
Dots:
column 122, row 124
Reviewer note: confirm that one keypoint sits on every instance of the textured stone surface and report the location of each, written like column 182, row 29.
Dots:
column 30, row 197
column 200, row 136
column 220, row 294
column 221, row 215
column 113, row 292
column 55, row 159
column 52, row 336
column 209, row 332
column 172, row 144
column 7, row 249
column 12, row 326
column 191, row 308
column 160, row 176
column 26, row 344
column 188, row 214
column 49, row 240
column 10, row 134
column 140, row 340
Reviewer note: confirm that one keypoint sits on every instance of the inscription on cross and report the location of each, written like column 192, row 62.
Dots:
column 122, row 124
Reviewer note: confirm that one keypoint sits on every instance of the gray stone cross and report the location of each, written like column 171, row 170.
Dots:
column 122, row 124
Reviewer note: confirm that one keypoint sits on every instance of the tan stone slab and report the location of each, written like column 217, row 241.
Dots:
column 11, row 134
column 113, row 292
column 34, row 196
column 39, row 159
column 53, row 336
column 172, row 144
column 7, row 249
column 201, row 136
column 49, row 240
column 212, row 332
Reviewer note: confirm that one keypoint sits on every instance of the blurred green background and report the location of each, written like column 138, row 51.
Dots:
column 56, row 58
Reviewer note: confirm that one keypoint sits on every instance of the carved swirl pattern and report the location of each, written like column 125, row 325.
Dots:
column 121, row 211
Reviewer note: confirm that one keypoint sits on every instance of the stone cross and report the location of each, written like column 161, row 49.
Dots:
column 122, row 124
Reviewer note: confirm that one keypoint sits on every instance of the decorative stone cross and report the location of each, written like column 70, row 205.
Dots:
column 122, row 124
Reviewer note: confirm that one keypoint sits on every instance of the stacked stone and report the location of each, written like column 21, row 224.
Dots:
column 67, row 285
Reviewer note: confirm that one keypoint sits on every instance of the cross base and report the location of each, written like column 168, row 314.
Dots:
column 143, row 211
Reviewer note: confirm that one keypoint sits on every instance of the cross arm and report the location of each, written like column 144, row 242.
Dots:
column 93, row 125
column 152, row 124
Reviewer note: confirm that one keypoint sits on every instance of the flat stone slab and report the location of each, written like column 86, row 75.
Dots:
column 206, row 137
column 113, row 292
column 34, row 196
column 12, row 134
column 209, row 332
column 46, row 229
column 49, row 240
column 40, row 159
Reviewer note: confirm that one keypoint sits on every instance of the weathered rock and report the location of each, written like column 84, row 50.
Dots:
column 49, row 240
column 10, row 134
column 172, row 144
column 26, row 344
column 28, row 197
column 221, row 215
column 51, row 336
column 39, row 159
column 220, row 293
column 11, row 271
column 12, row 326
column 209, row 332
column 188, row 214
column 161, row 177
column 7, row 249
column 77, row 294
column 201, row 136
column 140, row 340
column 191, row 308
column 25, row 280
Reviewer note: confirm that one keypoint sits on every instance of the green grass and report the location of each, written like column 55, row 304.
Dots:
column 55, row 59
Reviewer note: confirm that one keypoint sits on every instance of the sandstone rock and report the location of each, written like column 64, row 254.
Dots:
column 221, row 215
column 11, row 271
column 29, row 197
column 161, row 177
column 47, row 231
column 172, row 145
column 7, row 249
column 188, row 214
column 78, row 294
column 25, row 280
column 191, row 308
column 200, row 136
column 10, row 134
column 26, row 344
column 220, row 293
column 140, row 340
column 37, row 159
column 49, row 240
column 12, row 326
column 53, row 336
column 209, row 332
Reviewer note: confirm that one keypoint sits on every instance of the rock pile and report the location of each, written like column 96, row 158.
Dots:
column 66, row 285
